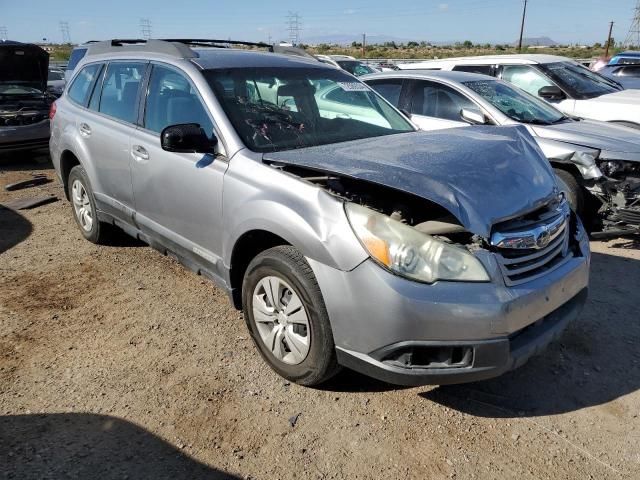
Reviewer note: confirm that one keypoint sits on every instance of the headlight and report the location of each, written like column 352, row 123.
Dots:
column 612, row 168
column 410, row 253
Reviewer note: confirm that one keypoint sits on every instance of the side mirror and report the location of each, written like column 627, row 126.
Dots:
column 551, row 92
column 473, row 116
column 187, row 138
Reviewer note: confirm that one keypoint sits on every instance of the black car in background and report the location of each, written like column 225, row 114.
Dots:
column 24, row 99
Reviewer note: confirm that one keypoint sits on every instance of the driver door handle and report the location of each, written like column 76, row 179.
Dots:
column 139, row 152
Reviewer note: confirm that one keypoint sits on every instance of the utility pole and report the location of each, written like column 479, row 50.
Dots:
column 524, row 13
column 145, row 28
column 64, row 30
column 606, row 50
column 364, row 41
column 294, row 24
column 3, row 33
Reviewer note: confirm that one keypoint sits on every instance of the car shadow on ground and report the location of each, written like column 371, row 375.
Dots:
column 84, row 445
column 14, row 228
column 595, row 361
column 25, row 161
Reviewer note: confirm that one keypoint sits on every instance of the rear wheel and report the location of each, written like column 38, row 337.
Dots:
column 572, row 190
column 287, row 318
column 84, row 207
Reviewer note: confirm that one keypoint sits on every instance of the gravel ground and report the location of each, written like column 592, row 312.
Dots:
column 116, row 362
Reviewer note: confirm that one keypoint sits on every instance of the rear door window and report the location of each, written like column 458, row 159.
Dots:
column 120, row 89
column 432, row 99
column 83, row 84
column 390, row 89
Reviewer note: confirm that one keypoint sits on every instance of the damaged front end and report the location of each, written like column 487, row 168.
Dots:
column 418, row 239
column 619, row 193
column 610, row 178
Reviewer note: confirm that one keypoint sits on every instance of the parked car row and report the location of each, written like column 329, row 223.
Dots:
column 346, row 235
column 597, row 163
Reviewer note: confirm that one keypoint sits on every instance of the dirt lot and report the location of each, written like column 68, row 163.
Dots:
column 116, row 362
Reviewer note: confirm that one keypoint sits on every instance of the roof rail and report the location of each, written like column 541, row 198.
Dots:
column 174, row 49
column 180, row 47
column 208, row 42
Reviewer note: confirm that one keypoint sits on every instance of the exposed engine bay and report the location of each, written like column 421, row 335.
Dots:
column 426, row 217
column 16, row 113
column 618, row 192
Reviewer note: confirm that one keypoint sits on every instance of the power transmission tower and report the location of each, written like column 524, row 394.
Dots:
column 145, row 28
column 295, row 25
column 634, row 29
column 64, row 29
column 524, row 14
column 3, row 33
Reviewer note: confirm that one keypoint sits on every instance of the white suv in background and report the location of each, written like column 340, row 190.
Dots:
column 571, row 87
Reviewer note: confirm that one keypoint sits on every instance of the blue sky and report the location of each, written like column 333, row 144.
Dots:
column 566, row 21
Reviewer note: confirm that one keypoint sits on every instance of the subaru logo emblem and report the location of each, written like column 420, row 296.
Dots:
column 543, row 239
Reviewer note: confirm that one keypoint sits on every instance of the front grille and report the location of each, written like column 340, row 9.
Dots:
column 535, row 245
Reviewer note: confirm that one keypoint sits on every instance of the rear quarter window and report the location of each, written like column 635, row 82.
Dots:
column 83, row 83
column 481, row 69
column 76, row 55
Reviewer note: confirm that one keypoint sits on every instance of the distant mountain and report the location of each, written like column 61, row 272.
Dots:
column 537, row 41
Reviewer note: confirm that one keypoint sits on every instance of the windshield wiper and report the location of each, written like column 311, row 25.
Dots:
column 535, row 121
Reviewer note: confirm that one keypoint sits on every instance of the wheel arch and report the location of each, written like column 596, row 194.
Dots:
column 68, row 160
column 246, row 248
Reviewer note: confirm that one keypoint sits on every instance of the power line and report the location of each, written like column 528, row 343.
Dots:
column 634, row 29
column 64, row 29
column 3, row 33
column 145, row 28
column 295, row 26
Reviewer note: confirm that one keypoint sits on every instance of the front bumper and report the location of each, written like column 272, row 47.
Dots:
column 487, row 358
column 24, row 137
column 491, row 328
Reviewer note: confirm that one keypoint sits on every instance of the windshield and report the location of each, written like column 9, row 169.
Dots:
column 580, row 82
column 354, row 67
column 275, row 109
column 515, row 103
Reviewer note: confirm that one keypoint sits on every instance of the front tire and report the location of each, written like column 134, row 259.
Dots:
column 572, row 190
column 287, row 318
column 84, row 207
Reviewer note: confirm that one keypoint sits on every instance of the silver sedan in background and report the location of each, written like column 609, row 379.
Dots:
column 597, row 163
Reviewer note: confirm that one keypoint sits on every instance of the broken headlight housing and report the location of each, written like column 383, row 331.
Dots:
column 615, row 168
column 410, row 253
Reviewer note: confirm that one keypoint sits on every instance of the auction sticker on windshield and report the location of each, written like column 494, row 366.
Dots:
column 353, row 86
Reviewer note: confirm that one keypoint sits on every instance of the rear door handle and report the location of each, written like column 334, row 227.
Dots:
column 139, row 152
column 85, row 129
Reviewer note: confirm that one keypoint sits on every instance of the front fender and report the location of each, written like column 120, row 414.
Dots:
column 259, row 197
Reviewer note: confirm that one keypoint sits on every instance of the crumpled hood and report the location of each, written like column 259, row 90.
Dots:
column 25, row 63
column 607, row 137
column 482, row 175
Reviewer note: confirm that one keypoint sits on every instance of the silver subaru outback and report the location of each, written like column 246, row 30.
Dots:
column 346, row 236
